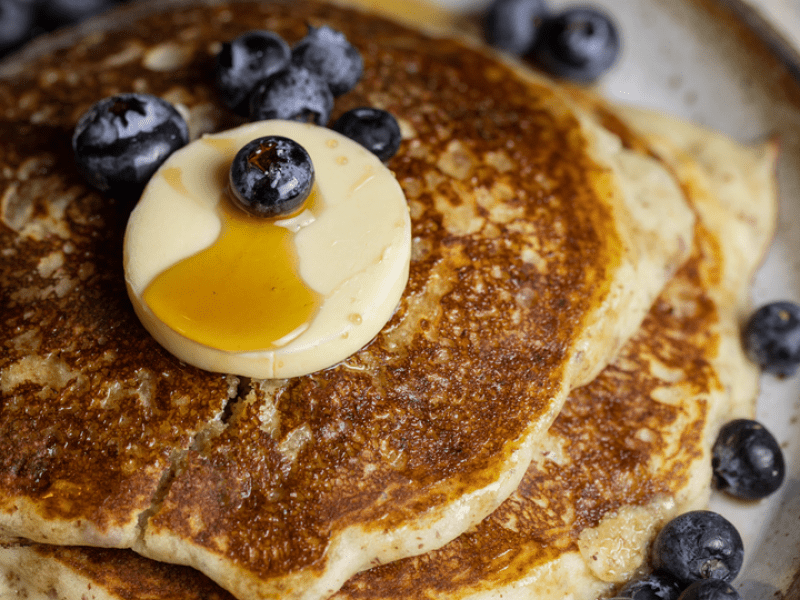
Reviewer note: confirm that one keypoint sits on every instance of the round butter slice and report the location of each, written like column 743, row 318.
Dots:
column 345, row 255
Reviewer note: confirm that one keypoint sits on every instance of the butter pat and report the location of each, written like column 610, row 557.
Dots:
column 350, row 247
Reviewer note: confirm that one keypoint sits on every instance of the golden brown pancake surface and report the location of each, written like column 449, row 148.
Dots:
column 627, row 451
column 523, row 250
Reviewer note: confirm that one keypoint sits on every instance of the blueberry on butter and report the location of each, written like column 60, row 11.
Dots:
column 375, row 129
column 699, row 545
column 121, row 141
column 513, row 25
column 245, row 61
column 747, row 460
column 579, row 44
column 271, row 176
column 327, row 53
column 294, row 94
column 772, row 337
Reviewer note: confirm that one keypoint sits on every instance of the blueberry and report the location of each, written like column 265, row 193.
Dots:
column 375, row 129
column 747, row 460
column 246, row 61
column 327, row 53
column 294, row 93
column 658, row 585
column 710, row 589
column 16, row 22
column 121, row 141
column 772, row 338
column 699, row 545
column 579, row 44
column 271, row 176
column 513, row 25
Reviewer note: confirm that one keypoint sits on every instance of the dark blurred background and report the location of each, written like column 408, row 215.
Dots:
column 21, row 20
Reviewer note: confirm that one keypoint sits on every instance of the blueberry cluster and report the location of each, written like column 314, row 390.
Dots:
column 579, row 43
column 121, row 141
column 21, row 20
column 259, row 76
column 698, row 554
column 695, row 556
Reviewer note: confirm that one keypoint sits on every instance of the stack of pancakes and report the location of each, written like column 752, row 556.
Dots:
column 543, row 399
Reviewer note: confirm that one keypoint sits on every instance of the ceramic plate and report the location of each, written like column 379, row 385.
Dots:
column 720, row 64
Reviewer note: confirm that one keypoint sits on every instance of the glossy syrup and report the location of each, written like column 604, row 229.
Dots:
column 243, row 293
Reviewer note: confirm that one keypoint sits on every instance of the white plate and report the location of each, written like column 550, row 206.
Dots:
column 721, row 65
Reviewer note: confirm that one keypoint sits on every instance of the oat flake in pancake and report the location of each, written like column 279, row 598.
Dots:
column 539, row 245
column 627, row 452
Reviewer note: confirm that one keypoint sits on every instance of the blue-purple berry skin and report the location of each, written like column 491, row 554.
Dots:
column 658, row 585
column 579, row 44
column 246, row 61
column 699, row 545
column 271, row 176
column 513, row 25
column 327, row 53
column 772, row 338
column 375, row 129
column 710, row 589
column 747, row 460
column 122, row 140
column 294, row 94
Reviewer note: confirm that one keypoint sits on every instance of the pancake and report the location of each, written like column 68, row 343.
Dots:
column 632, row 449
column 627, row 452
column 540, row 242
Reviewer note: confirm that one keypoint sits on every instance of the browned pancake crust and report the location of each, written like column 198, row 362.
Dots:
column 607, row 464
column 101, row 407
column 437, row 396
column 130, row 576
column 417, row 410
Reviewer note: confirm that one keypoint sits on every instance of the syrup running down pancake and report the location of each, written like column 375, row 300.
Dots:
column 538, row 244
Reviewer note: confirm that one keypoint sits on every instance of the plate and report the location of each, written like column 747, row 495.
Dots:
column 721, row 64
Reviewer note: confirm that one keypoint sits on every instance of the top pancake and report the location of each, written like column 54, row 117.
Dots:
column 627, row 452
column 539, row 244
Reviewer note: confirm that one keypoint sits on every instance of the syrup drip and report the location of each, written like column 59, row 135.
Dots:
column 241, row 294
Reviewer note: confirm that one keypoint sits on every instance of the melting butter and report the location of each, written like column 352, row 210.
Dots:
column 241, row 294
column 228, row 292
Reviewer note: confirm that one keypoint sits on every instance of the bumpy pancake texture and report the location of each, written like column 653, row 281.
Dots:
column 540, row 242
column 626, row 453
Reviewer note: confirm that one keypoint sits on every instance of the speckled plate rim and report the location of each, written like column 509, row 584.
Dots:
column 723, row 64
